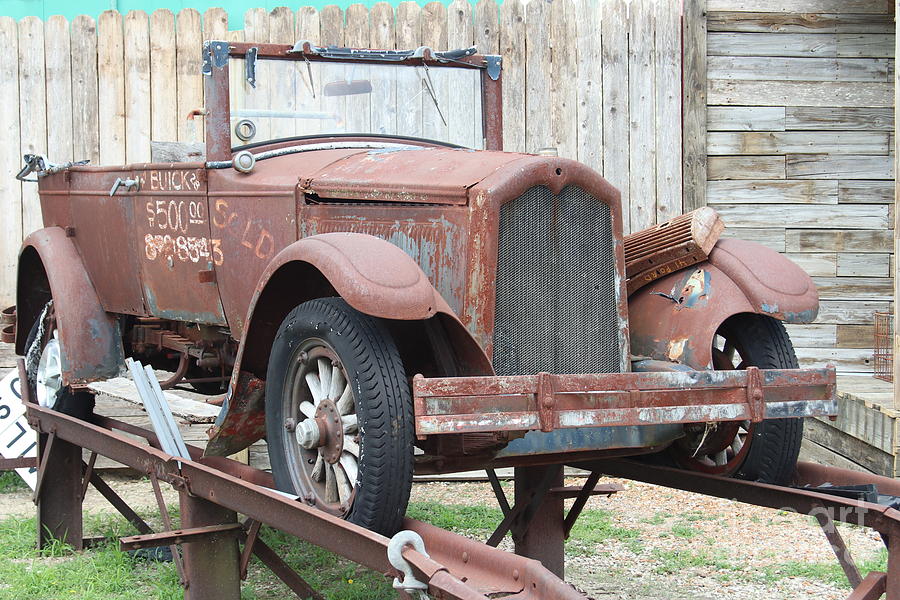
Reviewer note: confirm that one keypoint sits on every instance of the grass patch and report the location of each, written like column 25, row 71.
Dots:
column 683, row 530
column 596, row 526
column 673, row 561
column 658, row 518
column 105, row 573
column 59, row 572
column 829, row 572
column 471, row 520
column 11, row 482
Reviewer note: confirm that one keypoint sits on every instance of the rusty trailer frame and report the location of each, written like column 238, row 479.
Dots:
column 213, row 490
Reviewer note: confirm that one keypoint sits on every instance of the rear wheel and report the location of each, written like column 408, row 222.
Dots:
column 339, row 415
column 43, row 366
column 765, row 451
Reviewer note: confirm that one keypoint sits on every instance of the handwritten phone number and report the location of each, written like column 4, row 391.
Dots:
column 183, row 248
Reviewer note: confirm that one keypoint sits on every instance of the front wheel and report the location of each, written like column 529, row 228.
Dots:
column 339, row 420
column 765, row 451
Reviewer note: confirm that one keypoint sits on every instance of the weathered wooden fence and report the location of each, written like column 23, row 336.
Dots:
column 598, row 79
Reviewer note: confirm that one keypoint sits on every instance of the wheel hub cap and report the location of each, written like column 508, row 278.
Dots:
column 327, row 431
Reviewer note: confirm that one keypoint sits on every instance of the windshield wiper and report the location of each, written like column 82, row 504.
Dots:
column 429, row 86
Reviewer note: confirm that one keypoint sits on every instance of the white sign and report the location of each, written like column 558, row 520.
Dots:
column 17, row 438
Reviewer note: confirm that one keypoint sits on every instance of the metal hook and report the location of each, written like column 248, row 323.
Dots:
column 410, row 584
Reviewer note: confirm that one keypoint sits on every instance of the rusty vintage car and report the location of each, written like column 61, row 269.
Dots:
column 379, row 290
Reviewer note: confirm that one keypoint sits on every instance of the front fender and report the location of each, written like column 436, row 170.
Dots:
column 372, row 275
column 675, row 319
column 49, row 265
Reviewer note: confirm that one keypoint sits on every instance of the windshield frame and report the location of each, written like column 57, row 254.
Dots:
column 217, row 91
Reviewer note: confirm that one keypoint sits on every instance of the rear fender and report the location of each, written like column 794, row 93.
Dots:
column 50, row 266
column 374, row 277
column 675, row 319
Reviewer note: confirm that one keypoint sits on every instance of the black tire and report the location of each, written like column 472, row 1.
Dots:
column 76, row 404
column 372, row 370
column 774, row 444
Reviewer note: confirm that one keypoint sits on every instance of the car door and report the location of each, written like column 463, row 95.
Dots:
column 177, row 258
column 102, row 225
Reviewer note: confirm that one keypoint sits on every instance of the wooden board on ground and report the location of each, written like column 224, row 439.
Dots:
column 7, row 356
column 190, row 410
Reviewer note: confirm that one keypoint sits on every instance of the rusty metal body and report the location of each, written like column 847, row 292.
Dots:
column 203, row 260
column 676, row 317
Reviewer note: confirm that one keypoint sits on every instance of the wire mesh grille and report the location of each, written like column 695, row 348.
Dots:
column 556, row 285
column 884, row 346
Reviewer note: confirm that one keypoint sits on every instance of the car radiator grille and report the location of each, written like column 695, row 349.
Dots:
column 556, row 285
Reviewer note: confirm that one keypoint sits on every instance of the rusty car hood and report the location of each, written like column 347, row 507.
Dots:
column 420, row 175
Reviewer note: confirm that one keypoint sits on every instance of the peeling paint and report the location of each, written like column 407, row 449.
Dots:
column 695, row 291
column 676, row 349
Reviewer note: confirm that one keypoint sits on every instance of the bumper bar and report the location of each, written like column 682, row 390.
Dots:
column 546, row 402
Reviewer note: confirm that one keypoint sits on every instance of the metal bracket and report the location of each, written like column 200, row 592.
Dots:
column 494, row 65
column 252, row 533
column 522, row 513
column 304, row 47
column 498, row 491
column 590, row 488
column 250, row 66
column 545, row 401
column 755, row 398
column 178, row 536
column 410, row 584
column 41, row 165
column 215, row 54
column 88, row 472
column 34, row 163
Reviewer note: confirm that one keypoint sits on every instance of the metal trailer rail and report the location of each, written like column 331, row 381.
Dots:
column 213, row 490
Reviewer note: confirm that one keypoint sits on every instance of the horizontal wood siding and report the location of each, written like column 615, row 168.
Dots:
column 597, row 80
column 800, row 140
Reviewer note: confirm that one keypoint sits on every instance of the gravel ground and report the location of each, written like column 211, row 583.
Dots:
column 677, row 545
column 736, row 545
column 137, row 493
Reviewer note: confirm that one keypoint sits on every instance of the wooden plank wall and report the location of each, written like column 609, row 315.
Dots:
column 800, row 149
column 597, row 79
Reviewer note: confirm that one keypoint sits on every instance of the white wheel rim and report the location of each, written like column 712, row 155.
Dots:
column 327, row 382
column 48, row 381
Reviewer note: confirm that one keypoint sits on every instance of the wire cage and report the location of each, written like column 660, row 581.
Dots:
column 884, row 346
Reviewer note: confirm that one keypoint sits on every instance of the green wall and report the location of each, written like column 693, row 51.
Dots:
column 44, row 8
